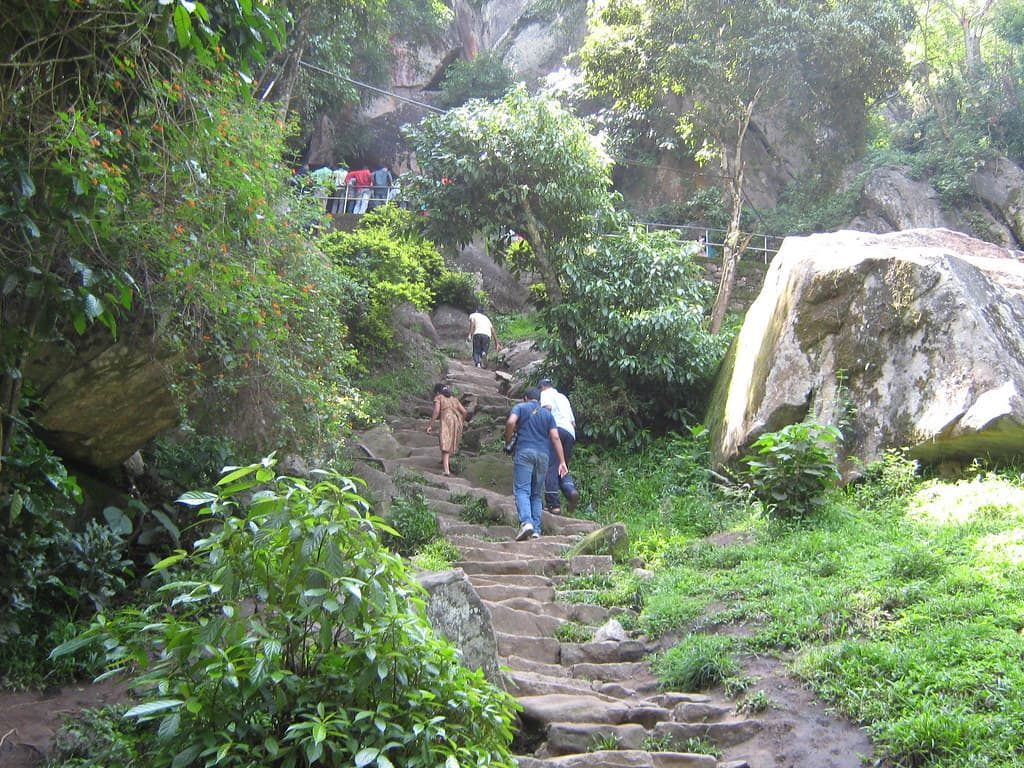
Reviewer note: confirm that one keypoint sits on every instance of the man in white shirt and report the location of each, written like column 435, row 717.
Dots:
column 565, row 422
column 481, row 331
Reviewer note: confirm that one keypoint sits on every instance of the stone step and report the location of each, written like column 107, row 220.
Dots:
column 451, row 527
column 499, row 551
column 727, row 734
column 544, row 650
column 516, row 580
column 520, row 664
column 540, row 711
column 622, row 759
column 535, row 681
column 576, row 738
column 590, row 615
column 613, row 672
column 515, row 622
column 540, row 565
column 500, row 593
column 607, row 652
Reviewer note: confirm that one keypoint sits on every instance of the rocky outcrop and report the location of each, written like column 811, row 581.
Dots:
column 912, row 339
column 106, row 399
column 456, row 611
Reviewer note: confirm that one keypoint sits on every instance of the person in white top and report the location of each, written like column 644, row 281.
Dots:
column 481, row 331
column 565, row 422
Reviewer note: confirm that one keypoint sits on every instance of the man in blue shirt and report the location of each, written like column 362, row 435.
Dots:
column 536, row 431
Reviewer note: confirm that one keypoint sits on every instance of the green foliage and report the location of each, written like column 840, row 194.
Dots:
column 790, row 470
column 512, row 328
column 574, row 632
column 289, row 636
column 808, row 205
column 696, row 663
column 604, row 742
column 52, row 573
column 438, row 555
column 476, row 510
column 522, row 163
column 97, row 738
column 414, row 523
column 485, row 77
column 633, row 342
column 459, row 289
column 384, row 264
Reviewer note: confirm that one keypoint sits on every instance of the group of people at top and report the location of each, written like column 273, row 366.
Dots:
column 544, row 428
column 352, row 191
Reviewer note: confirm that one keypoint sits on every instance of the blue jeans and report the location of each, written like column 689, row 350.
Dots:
column 552, row 482
column 528, row 485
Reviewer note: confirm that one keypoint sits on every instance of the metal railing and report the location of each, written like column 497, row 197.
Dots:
column 714, row 239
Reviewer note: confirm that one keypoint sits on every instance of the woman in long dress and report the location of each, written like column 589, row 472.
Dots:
column 451, row 413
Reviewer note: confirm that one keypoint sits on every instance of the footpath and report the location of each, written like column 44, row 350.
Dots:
column 594, row 703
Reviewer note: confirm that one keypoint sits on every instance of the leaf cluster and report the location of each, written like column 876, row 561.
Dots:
column 290, row 636
column 790, row 470
column 633, row 339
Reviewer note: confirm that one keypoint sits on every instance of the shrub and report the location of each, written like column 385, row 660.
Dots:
column 437, row 556
column 459, row 289
column 289, row 636
column 485, row 77
column 50, row 574
column 696, row 663
column 414, row 523
column 792, row 468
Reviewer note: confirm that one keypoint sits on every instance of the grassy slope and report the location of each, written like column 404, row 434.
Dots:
column 902, row 603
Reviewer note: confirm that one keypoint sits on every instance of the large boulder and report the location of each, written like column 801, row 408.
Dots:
column 456, row 611
column 105, row 398
column 910, row 339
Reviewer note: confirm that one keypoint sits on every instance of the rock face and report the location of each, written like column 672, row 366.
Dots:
column 456, row 611
column 911, row 339
column 107, row 400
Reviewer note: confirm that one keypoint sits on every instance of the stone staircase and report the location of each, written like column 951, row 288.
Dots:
column 584, row 704
column 594, row 703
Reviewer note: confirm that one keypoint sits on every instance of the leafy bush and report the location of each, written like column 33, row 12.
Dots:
column 50, row 574
column 476, row 510
column 698, row 662
column 485, row 77
column 791, row 469
column 459, row 289
column 289, row 636
column 414, row 523
column 632, row 336
column 386, row 264
column 438, row 555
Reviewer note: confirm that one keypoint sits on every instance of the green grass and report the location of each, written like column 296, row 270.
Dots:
column 511, row 328
column 901, row 602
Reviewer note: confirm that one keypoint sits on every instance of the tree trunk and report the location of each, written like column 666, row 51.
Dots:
column 732, row 167
column 545, row 267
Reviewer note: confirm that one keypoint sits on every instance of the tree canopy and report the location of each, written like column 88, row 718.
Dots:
column 521, row 163
column 720, row 63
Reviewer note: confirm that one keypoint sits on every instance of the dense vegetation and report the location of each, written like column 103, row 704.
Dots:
column 143, row 155
column 898, row 600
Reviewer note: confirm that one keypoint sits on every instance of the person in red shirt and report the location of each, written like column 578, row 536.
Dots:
column 362, row 181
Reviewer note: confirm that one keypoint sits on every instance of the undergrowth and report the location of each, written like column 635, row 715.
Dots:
column 899, row 597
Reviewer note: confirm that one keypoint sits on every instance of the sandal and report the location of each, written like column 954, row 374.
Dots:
column 554, row 510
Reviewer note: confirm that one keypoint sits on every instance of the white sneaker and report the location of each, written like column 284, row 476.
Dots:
column 525, row 532
column 534, row 535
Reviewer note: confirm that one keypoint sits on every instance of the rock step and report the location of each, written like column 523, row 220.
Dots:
column 542, row 650
column 539, row 712
column 500, row 551
column 623, row 759
column 535, row 600
column 584, row 564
